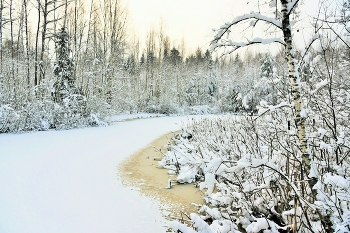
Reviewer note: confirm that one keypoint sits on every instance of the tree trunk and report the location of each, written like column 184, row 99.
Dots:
column 300, row 120
column 294, row 80
column 37, row 45
column 1, row 9
column 20, row 39
column 12, row 40
column 43, row 39
column 25, row 3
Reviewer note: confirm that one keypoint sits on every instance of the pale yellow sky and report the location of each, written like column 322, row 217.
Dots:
column 192, row 20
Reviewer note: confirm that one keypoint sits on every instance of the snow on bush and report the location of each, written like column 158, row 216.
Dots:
column 249, row 169
column 35, row 113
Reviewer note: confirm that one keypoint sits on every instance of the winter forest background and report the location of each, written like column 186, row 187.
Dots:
column 281, row 166
column 104, row 70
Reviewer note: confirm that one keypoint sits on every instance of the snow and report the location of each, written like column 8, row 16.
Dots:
column 200, row 224
column 313, row 171
column 260, row 224
column 337, row 181
column 253, row 17
column 316, row 60
column 210, row 182
column 181, row 227
column 259, row 162
column 263, row 225
column 237, row 45
column 66, row 181
column 322, row 132
column 256, row 40
column 319, row 85
column 125, row 117
column 303, row 112
column 187, row 175
column 322, row 83
column 256, row 15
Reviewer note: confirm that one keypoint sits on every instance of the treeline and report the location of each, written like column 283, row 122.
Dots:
column 67, row 64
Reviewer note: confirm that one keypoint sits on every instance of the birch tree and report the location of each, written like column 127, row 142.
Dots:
column 279, row 21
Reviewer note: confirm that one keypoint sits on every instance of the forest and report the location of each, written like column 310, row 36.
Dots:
column 276, row 156
column 68, row 64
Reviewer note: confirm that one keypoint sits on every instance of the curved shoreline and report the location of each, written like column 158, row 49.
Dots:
column 141, row 170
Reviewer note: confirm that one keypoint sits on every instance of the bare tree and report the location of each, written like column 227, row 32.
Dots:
column 46, row 16
column 1, row 24
column 25, row 5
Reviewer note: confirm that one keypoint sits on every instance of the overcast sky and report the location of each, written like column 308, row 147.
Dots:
column 192, row 20
column 188, row 19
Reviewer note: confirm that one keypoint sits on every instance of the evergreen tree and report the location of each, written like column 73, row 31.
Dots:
column 199, row 56
column 63, row 68
column 207, row 55
column 72, row 103
column 72, row 107
column 266, row 68
column 238, row 62
column 130, row 65
column 175, row 57
column 142, row 60
column 166, row 54
column 191, row 60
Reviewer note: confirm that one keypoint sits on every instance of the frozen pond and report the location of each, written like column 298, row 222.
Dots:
column 66, row 181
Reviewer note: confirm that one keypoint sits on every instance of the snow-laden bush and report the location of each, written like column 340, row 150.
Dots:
column 252, row 169
column 8, row 119
column 37, row 111
column 201, row 110
column 98, row 109
column 165, row 107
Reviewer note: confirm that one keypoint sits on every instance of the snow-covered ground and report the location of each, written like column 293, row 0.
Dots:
column 66, row 181
column 125, row 117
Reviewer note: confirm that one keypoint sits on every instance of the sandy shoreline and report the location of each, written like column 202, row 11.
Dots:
column 141, row 170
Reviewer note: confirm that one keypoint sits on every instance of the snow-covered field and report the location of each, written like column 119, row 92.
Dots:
column 66, row 181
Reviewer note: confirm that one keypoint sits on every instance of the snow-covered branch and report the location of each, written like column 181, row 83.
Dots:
column 236, row 45
column 225, row 30
column 309, row 44
column 252, row 15
column 264, row 107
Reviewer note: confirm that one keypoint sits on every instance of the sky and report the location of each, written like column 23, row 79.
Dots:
column 192, row 20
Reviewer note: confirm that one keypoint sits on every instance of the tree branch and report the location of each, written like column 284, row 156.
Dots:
column 225, row 30
column 291, row 6
column 226, row 27
column 237, row 45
